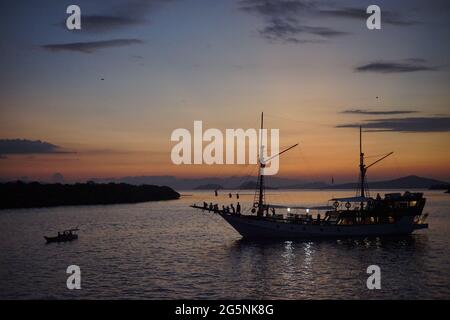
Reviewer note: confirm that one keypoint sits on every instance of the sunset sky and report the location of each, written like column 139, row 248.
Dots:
column 104, row 100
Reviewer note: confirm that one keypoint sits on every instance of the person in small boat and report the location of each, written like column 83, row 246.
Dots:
column 238, row 208
column 215, row 192
column 237, row 195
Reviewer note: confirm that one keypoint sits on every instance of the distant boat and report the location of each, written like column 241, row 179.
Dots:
column 360, row 215
column 64, row 236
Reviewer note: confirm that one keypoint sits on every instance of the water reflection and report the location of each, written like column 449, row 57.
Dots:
column 288, row 258
column 311, row 268
column 414, row 241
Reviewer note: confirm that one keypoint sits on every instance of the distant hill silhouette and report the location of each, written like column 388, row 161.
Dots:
column 309, row 185
column 231, row 182
column 34, row 194
column 236, row 182
column 251, row 185
column 210, row 186
column 409, row 182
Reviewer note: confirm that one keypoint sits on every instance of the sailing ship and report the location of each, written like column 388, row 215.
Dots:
column 355, row 216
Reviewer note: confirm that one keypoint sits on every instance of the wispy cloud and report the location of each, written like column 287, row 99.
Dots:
column 90, row 47
column 279, row 29
column 287, row 20
column 273, row 8
column 395, row 67
column 381, row 112
column 419, row 124
column 100, row 23
column 283, row 21
column 24, row 146
column 389, row 17
column 124, row 14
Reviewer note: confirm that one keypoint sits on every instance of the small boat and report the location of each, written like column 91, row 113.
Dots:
column 64, row 236
column 353, row 216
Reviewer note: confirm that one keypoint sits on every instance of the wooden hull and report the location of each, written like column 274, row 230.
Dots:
column 253, row 227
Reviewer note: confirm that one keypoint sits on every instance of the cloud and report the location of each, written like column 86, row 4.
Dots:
column 273, row 8
column 395, row 67
column 371, row 112
column 420, row 124
column 100, row 23
column 297, row 41
column 24, row 146
column 279, row 29
column 323, row 31
column 388, row 17
column 90, row 47
column 282, row 19
column 125, row 14
column 286, row 20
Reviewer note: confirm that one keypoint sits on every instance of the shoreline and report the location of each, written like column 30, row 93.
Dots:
column 20, row 195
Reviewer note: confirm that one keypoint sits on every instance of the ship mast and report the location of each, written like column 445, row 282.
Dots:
column 362, row 166
column 362, row 169
column 261, row 166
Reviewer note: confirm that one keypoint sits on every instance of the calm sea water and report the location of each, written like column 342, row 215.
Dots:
column 166, row 250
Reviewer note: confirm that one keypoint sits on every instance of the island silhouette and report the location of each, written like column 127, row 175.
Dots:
column 19, row 194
